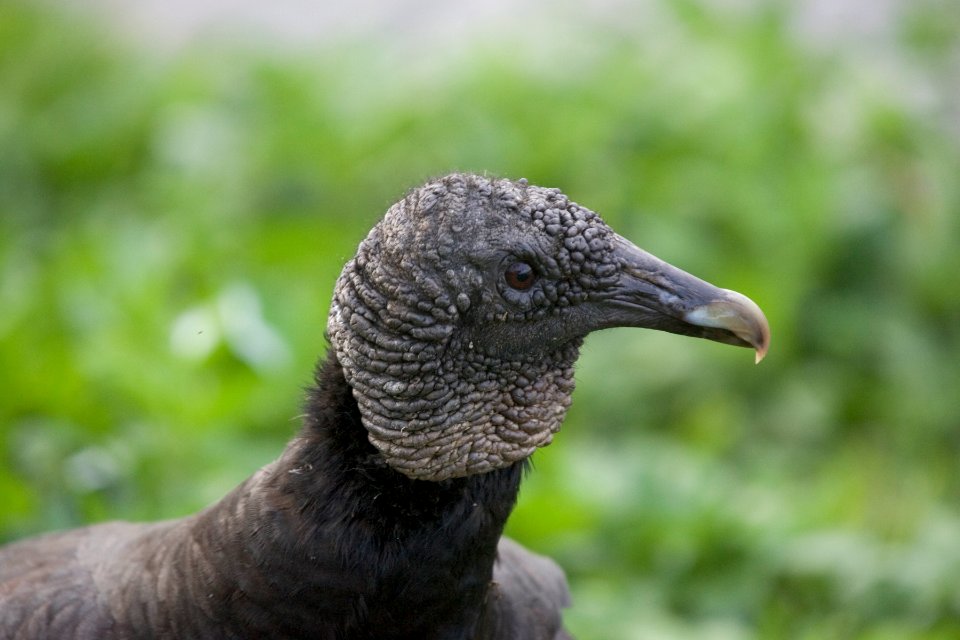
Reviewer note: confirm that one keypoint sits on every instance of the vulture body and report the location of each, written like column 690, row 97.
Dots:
column 454, row 331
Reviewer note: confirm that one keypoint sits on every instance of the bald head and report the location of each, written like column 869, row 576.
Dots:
column 460, row 318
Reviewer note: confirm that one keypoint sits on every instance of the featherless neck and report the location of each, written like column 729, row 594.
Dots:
column 434, row 404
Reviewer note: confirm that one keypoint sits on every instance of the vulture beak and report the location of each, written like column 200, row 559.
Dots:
column 654, row 294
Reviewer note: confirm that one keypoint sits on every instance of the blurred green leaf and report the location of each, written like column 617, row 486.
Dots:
column 170, row 233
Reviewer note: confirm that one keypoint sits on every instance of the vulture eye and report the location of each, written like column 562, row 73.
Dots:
column 520, row 276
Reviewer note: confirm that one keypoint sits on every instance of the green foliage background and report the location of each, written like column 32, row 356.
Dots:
column 170, row 230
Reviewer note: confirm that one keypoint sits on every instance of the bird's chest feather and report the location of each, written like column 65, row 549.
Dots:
column 451, row 531
column 412, row 559
column 373, row 552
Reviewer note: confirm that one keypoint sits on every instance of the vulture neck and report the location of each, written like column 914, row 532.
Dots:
column 362, row 546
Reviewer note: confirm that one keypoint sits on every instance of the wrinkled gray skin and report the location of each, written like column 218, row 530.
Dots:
column 456, row 372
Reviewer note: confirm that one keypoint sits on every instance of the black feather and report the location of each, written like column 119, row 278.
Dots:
column 327, row 542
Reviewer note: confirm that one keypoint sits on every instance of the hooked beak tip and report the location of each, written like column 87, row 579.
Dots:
column 761, row 353
column 737, row 314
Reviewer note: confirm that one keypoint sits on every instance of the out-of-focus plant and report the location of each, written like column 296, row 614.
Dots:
column 170, row 232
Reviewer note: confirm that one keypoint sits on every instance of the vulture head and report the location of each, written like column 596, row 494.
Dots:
column 459, row 320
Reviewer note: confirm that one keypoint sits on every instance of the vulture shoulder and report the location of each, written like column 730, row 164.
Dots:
column 527, row 596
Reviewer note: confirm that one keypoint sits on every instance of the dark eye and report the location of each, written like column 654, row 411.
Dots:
column 520, row 276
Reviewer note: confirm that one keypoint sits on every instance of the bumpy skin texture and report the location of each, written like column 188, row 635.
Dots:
column 455, row 372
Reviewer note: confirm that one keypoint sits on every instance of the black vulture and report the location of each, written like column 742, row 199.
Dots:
column 454, row 332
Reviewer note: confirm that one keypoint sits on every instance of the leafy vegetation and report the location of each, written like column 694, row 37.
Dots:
column 170, row 232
